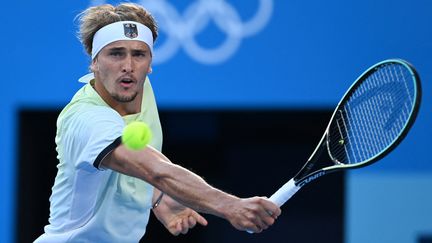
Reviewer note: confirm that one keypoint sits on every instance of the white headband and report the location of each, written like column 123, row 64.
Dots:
column 122, row 30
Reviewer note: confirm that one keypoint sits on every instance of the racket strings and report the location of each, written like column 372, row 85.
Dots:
column 374, row 114
column 376, row 135
column 364, row 134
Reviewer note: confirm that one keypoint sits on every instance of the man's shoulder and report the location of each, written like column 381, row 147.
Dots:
column 86, row 104
column 79, row 115
column 87, row 112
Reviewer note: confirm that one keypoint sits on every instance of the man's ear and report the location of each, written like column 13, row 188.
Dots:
column 150, row 70
column 94, row 67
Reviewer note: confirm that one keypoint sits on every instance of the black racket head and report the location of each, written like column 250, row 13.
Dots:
column 375, row 114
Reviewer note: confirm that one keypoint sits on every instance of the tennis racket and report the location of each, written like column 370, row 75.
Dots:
column 373, row 117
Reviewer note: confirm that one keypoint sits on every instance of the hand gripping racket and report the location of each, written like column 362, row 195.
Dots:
column 372, row 118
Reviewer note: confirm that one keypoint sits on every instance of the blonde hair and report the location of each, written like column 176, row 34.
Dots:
column 94, row 18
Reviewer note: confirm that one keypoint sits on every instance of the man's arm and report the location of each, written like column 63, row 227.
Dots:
column 189, row 189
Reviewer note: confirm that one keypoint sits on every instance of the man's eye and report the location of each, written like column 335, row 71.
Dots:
column 139, row 54
column 116, row 53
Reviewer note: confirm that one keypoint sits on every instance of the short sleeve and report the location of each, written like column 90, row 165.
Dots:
column 89, row 134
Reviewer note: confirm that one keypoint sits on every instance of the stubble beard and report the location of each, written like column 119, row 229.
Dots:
column 124, row 98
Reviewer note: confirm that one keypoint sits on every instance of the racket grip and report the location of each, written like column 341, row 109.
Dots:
column 284, row 193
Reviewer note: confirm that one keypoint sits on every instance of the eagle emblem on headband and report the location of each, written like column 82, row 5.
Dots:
column 130, row 30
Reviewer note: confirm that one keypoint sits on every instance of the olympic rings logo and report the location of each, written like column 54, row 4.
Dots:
column 181, row 29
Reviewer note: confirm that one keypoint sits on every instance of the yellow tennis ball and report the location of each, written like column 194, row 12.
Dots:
column 136, row 135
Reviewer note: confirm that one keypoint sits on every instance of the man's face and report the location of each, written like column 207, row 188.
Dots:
column 121, row 67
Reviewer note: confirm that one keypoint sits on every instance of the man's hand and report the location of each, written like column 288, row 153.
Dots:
column 176, row 217
column 252, row 214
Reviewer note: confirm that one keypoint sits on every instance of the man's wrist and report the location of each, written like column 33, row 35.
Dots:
column 158, row 201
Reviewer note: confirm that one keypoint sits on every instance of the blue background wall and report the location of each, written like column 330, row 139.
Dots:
column 297, row 55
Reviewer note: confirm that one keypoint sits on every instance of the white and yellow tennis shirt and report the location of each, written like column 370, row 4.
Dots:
column 89, row 204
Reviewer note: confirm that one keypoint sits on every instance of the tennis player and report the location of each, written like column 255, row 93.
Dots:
column 104, row 192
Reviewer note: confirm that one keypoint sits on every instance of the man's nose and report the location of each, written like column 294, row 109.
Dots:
column 128, row 65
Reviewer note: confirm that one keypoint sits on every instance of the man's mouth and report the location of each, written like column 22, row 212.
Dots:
column 126, row 82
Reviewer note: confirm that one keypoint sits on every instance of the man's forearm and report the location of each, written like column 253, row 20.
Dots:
column 181, row 184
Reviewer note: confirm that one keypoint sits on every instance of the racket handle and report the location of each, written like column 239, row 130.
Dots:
column 284, row 193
